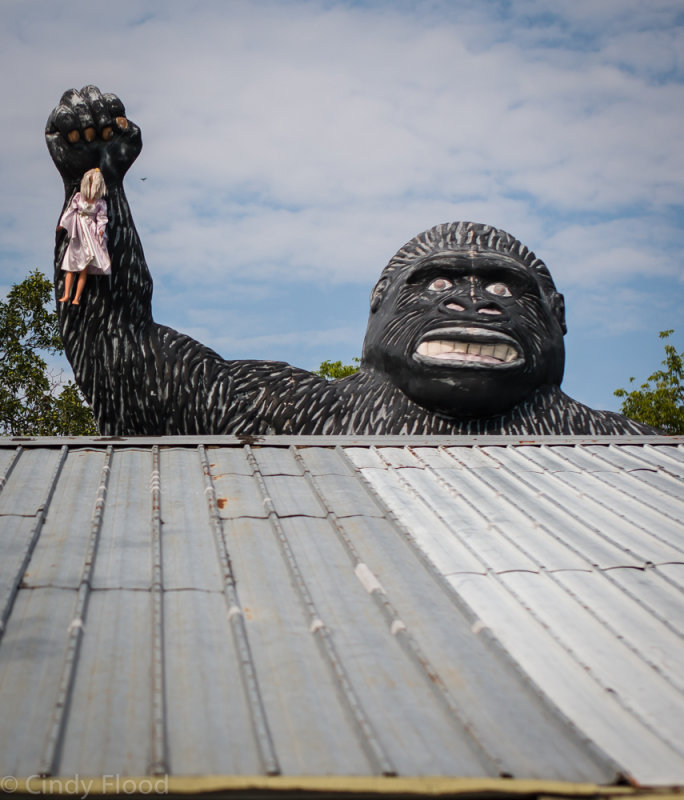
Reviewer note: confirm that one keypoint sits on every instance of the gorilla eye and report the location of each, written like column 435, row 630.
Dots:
column 440, row 285
column 499, row 290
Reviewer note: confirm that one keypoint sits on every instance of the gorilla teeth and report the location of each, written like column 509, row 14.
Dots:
column 451, row 349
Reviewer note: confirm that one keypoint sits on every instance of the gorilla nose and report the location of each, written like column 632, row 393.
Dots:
column 486, row 309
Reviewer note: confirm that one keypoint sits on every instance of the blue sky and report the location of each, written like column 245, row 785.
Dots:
column 290, row 148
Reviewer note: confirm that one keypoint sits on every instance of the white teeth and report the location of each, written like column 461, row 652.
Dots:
column 500, row 351
column 450, row 349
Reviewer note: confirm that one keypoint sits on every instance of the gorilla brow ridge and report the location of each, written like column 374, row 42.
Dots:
column 461, row 235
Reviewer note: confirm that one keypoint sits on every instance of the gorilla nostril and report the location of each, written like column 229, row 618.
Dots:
column 107, row 133
column 489, row 310
column 73, row 136
column 89, row 134
column 455, row 306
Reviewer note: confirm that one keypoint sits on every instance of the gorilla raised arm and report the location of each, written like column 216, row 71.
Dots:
column 465, row 334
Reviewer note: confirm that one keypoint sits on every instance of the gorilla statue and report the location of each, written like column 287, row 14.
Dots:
column 465, row 334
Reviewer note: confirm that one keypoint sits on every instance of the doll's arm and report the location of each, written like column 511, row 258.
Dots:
column 102, row 219
column 66, row 221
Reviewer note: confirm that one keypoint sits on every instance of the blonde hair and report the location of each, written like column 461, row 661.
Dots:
column 93, row 185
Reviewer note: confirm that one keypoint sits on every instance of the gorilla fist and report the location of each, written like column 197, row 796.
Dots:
column 89, row 129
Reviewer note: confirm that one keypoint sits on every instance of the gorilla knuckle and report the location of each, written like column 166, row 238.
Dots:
column 114, row 105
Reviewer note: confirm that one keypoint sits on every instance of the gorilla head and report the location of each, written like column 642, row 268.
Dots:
column 466, row 321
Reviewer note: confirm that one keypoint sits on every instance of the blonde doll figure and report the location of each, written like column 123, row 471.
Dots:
column 85, row 220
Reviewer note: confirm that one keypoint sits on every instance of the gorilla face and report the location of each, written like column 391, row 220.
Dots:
column 466, row 332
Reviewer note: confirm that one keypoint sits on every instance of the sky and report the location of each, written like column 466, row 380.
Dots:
column 292, row 146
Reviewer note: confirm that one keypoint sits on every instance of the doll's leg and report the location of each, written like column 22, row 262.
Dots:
column 68, row 283
column 82, row 277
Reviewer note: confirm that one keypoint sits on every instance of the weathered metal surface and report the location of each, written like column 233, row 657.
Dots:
column 335, row 606
column 57, row 558
column 32, row 653
column 124, row 556
column 109, row 717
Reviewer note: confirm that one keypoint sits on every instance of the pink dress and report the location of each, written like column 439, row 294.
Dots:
column 83, row 222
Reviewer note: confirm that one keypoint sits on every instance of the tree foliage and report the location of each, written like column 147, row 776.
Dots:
column 336, row 369
column 659, row 401
column 33, row 400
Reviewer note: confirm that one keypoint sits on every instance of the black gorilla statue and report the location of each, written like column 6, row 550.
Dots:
column 465, row 334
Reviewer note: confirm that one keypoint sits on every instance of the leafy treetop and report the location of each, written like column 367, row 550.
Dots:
column 659, row 401
column 336, row 369
column 30, row 404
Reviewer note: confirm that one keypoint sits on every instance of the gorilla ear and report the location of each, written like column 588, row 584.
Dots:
column 558, row 308
column 378, row 293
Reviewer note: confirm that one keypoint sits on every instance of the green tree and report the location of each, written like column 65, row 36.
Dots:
column 660, row 400
column 336, row 369
column 33, row 400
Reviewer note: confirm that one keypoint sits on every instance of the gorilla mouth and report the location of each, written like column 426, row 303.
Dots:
column 468, row 346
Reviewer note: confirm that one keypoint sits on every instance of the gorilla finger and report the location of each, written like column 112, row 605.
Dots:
column 98, row 108
column 63, row 120
column 114, row 105
column 79, row 107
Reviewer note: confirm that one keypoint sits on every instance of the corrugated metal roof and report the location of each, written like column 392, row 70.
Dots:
column 343, row 606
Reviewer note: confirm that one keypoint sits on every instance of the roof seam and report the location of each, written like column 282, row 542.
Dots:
column 247, row 669
column 62, row 705
column 398, row 628
column 7, row 601
column 483, row 629
column 372, row 746
column 601, row 476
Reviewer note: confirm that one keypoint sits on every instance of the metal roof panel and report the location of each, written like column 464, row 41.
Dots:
column 652, row 589
column 565, row 683
column 501, row 709
column 673, row 573
column 343, row 606
column 669, row 457
column 650, row 698
column 8, row 457
column 429, row 741
column 124, row 556
column 324, row 461
column 189, row 559
column 202, row 673
column 432, row 534
column 32, row 654
column 16, row 535
column 508, row 524
column 276, row 461
column 238, row 496
column 630, row 621
column 228, row 461
column 345, row 496
column 293, row 496
column 59, row 552
column 107, row 729
column 27, row 487
column 311, row 730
